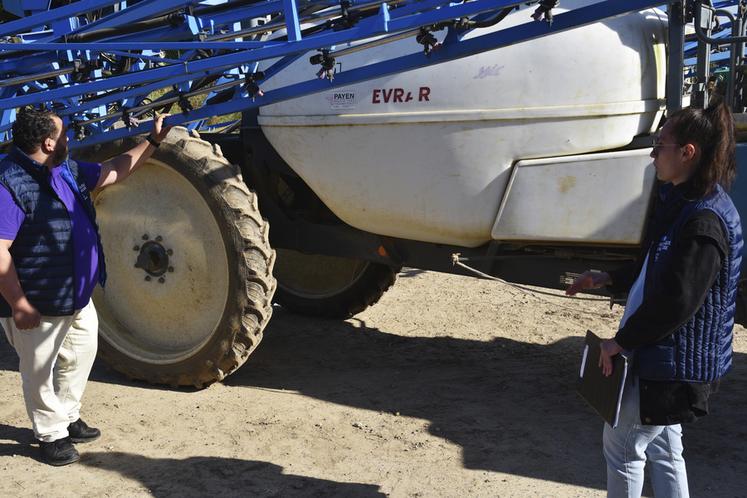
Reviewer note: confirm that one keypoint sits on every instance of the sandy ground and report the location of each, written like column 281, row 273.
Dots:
column 449, row 386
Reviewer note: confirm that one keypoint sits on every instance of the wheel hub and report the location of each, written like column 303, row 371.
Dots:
column 153, row 258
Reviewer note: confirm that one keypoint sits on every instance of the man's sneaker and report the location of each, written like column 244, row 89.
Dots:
column 58, row 453
column 81, row 433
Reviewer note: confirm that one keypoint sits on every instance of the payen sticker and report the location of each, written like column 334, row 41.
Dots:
column 342, row 99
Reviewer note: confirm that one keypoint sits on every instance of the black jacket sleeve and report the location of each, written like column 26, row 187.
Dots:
column 695, row 264
column 623, row 278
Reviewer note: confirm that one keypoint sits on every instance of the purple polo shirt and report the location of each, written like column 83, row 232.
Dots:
column 85, row 247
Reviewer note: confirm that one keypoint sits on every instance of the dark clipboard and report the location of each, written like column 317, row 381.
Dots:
column 603, row 394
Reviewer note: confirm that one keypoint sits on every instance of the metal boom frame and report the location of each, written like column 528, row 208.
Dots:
column 101, row 64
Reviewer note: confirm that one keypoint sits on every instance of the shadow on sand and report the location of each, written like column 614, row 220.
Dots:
column 213, row 476
column 510, row 405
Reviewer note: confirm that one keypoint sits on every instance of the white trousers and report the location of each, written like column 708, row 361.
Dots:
column 55, row 360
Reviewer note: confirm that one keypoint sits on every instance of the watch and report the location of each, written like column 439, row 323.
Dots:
column 153, row 142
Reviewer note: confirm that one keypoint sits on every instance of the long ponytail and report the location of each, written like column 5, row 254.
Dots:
column 712, row 130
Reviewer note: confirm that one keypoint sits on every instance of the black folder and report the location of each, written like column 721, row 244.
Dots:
column 603, row 394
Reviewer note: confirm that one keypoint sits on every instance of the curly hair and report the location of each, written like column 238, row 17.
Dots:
column 31, row 128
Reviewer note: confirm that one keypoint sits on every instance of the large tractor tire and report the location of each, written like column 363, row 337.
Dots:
column 190, row 281
column 328, row 286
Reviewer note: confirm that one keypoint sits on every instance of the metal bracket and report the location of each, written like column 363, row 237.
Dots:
column 127, row 118
column 706, row 16
column 427, row 40
column 328, row 65
column 250, row 84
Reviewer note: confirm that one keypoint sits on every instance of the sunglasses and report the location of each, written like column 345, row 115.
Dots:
column 658, row 145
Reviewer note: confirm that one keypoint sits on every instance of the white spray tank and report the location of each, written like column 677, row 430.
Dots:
column 445, row 154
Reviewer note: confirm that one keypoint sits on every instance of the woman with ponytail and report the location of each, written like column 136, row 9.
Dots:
column 679, row 314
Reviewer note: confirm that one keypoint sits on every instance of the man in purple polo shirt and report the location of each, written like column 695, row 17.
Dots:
column 86, row 262
column 50, row 261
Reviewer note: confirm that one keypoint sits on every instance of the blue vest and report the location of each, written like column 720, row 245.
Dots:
column 43, row 248
column 700, row 350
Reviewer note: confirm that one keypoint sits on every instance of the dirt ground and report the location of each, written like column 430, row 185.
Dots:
column 449, row 386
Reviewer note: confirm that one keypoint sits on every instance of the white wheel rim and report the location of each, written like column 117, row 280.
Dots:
column 166, row 318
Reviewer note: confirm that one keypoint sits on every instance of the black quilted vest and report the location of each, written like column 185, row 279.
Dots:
column 43, row 248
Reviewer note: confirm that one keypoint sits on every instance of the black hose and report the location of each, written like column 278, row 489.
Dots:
column 493, row 21
column 98, row 34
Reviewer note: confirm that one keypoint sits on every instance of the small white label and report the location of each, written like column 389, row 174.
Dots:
column 342, row 99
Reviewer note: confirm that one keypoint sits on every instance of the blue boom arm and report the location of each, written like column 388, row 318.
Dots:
column 106, row 66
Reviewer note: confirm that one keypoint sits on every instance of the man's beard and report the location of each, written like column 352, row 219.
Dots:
column 59, row 155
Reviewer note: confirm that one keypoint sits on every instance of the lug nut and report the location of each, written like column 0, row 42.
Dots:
column 136, row 248
column 171, row 269
column 145, row 236
column 169, row 252
column 159, row 238
column 147, row 278
column 161, row 280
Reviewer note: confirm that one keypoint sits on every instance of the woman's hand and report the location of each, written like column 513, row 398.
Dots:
column 589, row 280
column 609, row 348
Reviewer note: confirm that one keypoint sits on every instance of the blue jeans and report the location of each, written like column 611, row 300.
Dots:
column 630, row 444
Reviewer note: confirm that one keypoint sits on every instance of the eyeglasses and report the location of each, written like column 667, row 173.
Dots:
column 658, row 145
